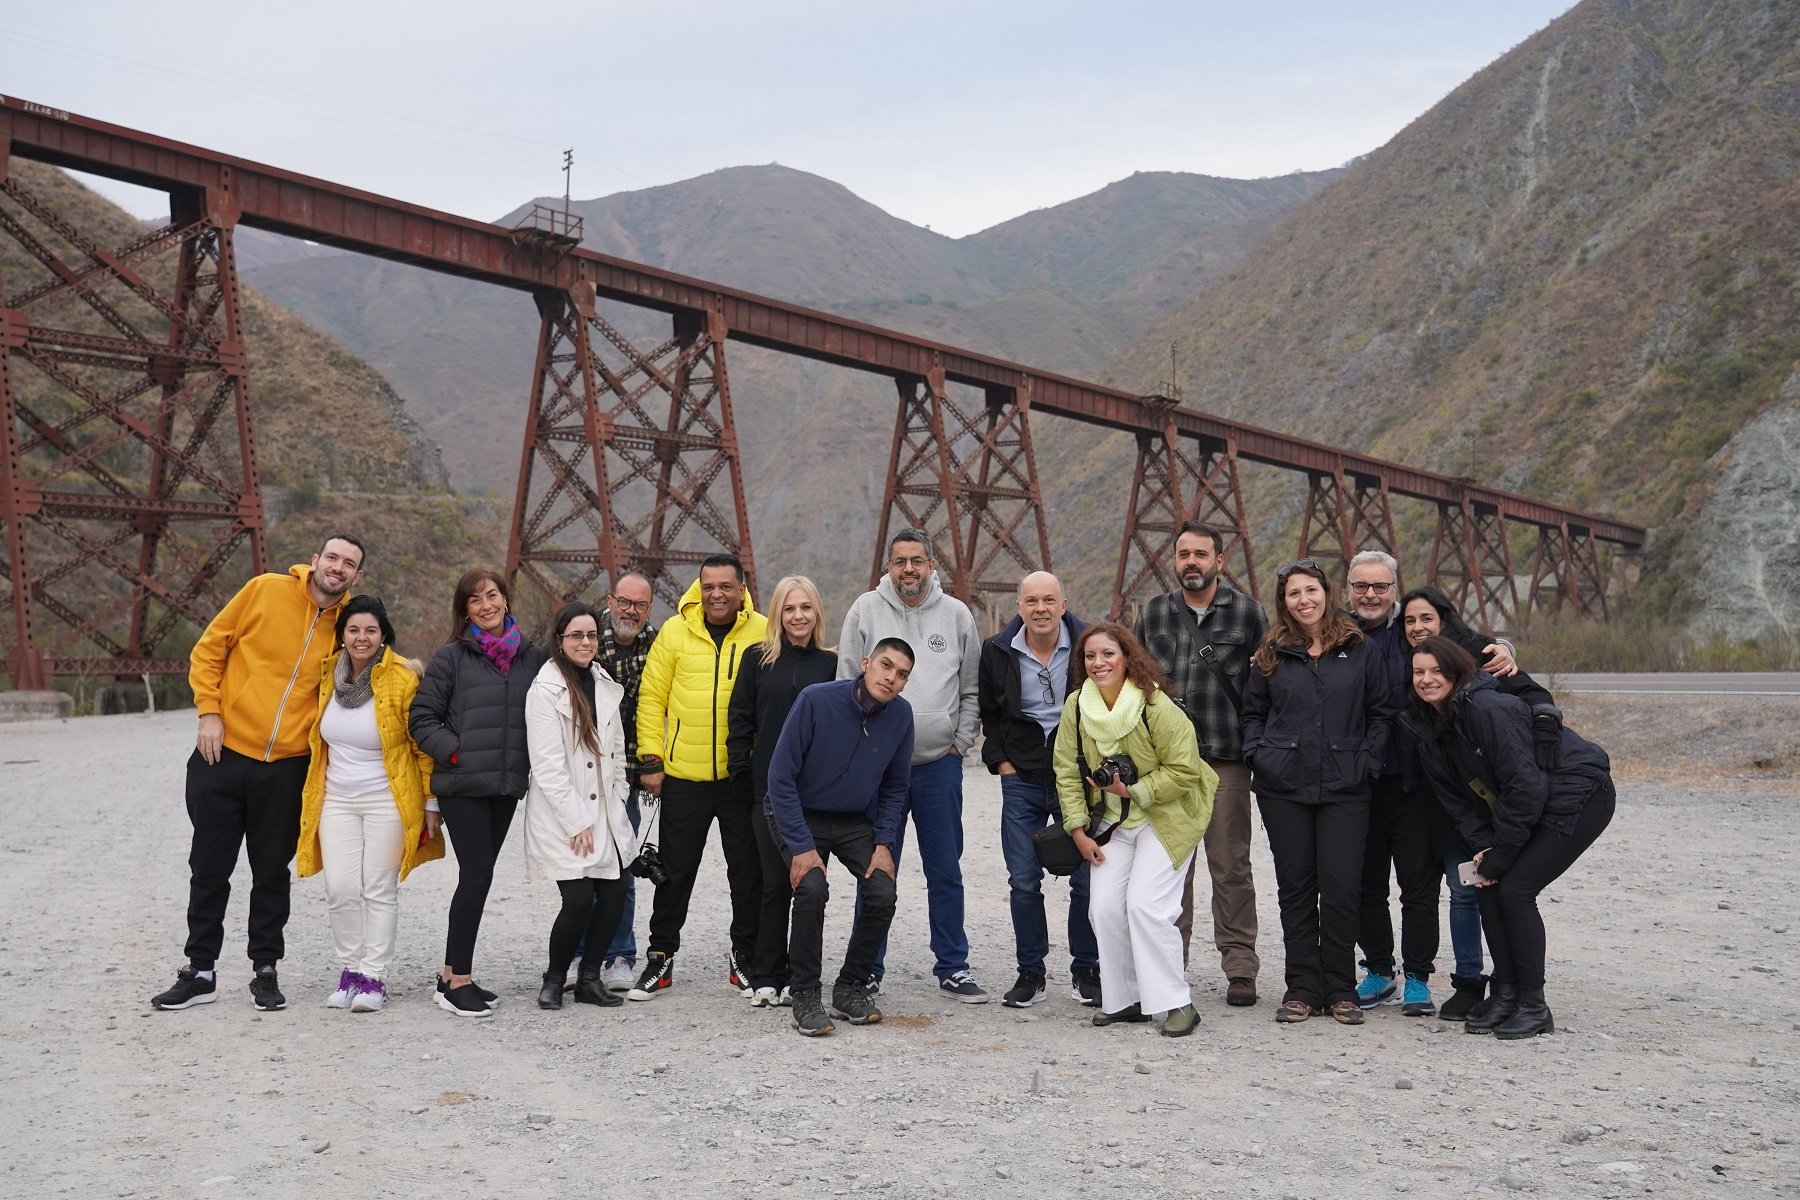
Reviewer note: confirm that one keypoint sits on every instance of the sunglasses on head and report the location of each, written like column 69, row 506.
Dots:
column 1305, row 564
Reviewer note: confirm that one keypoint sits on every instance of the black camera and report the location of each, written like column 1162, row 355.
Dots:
column 1115, row 766
column 649, row 865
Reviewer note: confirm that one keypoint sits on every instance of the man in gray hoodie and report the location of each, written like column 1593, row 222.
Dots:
column 943, row 690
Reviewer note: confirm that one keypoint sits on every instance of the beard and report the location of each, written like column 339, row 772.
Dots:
column 1196, row 580
column 626, row 629
column 910, row 591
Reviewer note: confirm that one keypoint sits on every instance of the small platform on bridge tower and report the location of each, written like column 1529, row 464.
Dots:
column 547, row 232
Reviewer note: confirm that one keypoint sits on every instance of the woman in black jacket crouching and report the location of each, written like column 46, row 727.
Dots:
column 1529, row 823
column 469, row 715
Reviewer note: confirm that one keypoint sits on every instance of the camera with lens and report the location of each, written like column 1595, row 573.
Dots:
column 649, row 865
column 1115, row 766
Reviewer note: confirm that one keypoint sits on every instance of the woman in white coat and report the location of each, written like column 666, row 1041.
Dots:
column 576, row 828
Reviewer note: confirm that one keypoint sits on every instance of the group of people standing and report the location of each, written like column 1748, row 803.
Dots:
column 1375, row 733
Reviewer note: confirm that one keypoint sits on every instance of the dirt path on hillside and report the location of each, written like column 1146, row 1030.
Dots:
column 1673, row 1069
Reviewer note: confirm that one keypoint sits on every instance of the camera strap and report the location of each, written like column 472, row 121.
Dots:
column 1100, row 835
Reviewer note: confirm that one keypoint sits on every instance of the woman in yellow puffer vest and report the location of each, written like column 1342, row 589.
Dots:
column 363, row 816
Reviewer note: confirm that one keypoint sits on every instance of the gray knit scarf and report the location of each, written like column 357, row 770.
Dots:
column 354, row 693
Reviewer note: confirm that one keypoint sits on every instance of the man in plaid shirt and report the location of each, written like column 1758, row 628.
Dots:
column 1207, row 621
column 625, row 637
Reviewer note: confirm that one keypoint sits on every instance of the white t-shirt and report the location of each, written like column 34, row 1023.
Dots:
column 353, row 763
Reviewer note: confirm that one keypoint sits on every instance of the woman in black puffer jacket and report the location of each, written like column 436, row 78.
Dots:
column 1527, row 822
column 469, row 715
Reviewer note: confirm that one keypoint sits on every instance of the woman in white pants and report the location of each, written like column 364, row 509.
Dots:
column 363, row 816
column 1135, row 797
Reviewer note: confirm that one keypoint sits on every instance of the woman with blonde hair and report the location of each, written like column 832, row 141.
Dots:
column 1317, row 708
column 365, row 817
column 789, row 659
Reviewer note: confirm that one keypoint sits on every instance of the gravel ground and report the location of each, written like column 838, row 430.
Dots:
column 1672, row 1070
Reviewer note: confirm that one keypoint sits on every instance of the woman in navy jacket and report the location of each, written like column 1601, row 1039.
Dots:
column 469, row 715
column 1527, row 823
column 1316, row 713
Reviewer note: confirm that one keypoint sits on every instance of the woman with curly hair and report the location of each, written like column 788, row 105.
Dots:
column 1136, row 797
column 1316, row 712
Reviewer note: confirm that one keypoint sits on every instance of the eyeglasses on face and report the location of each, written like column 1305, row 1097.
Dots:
column 624, row 605
column 917, row 562
column 1305, row 564
column 1380, row 589
column 581, row 636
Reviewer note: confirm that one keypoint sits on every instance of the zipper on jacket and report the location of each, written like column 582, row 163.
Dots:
column 718, row 656
column 281, row 708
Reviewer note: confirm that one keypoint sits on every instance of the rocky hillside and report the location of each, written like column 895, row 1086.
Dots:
column 1574, row 277
column 336, row 448
column 1065, row 288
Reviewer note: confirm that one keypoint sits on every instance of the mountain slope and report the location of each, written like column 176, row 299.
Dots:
column 1573, row 277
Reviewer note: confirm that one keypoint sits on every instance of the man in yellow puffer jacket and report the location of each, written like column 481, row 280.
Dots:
column 682, row 702
column 255, row 675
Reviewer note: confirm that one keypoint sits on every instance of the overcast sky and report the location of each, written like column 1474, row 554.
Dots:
column 952, row 115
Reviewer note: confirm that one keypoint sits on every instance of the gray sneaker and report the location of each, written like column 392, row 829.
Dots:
column 962, row 985
column 852, row 1004
column 809, row 1018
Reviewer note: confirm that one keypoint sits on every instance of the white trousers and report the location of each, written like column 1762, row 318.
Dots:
column 360, row 841
column 1134, row 898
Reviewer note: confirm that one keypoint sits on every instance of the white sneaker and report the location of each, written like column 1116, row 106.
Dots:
column 618, row 975
column 346, row 988
column 372, row 997
column 766, row 997
column 574, row 973
column 786, row 999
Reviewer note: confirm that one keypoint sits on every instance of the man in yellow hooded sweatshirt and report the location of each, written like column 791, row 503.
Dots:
column 255, row 675
column 683, row 699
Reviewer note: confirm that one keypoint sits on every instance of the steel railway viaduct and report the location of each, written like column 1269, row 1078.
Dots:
column 132, row 492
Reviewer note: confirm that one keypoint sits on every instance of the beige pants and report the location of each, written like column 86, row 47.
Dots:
column 1233, row 887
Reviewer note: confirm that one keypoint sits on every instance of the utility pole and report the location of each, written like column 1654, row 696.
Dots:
column 568, row 165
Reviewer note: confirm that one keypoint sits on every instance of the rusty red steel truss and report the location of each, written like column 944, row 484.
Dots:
column 128, row 484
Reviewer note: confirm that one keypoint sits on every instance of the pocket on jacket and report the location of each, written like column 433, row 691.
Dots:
column 1345, row 769
column 1276, row 765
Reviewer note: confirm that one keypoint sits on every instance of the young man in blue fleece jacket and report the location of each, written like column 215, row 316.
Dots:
column 837, row 785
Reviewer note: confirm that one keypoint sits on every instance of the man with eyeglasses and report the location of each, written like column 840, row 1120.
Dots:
column 1024, row 678
column 1402, row 811
column 1202, row 634
column 911, row 605
column 626, row 634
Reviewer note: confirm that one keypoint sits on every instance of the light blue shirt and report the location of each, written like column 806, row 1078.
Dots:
column 1034, row 677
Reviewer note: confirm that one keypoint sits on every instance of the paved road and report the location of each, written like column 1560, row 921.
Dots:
column 1771, row 683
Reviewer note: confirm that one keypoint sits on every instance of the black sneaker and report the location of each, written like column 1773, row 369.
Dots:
column 737, row 980
column 659, row 973
column 188, row 991
column 962, row 985
column 464, row 1001
column 1027, row 992
column 809, row 1018
column 872, row 986
column 1084, row 985
column 265, row 991
column 488, row 998
column 853, row 1004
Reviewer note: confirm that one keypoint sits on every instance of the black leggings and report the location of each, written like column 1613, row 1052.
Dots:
column 591, row 907
column 1509, row 909
column 477, row 826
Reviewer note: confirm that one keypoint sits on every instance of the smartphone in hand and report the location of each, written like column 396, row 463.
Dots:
column 1469, row 873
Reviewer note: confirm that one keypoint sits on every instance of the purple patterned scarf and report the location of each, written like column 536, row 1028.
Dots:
column 499, row 647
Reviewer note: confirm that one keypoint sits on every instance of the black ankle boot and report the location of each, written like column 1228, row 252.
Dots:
column 1501, row 1004
column 589, row 989
column 1468, row 994
column 1530, row 1019
column 550, row 995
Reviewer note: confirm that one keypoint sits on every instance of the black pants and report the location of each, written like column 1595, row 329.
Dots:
column 590, row 908
column 851, row 837
column 689, row 808
column 241, row 801
column 477, row 826
column 770, row 968
column 1509, row 909
column 1318, row 881
column 1400, row 833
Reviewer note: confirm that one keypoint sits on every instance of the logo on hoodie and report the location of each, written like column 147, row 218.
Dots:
column 937, row 643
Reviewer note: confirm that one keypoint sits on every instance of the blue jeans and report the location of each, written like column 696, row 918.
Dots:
column 934, row 799
column 1026, row 808
column 624, row 943
column 1465, row 917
